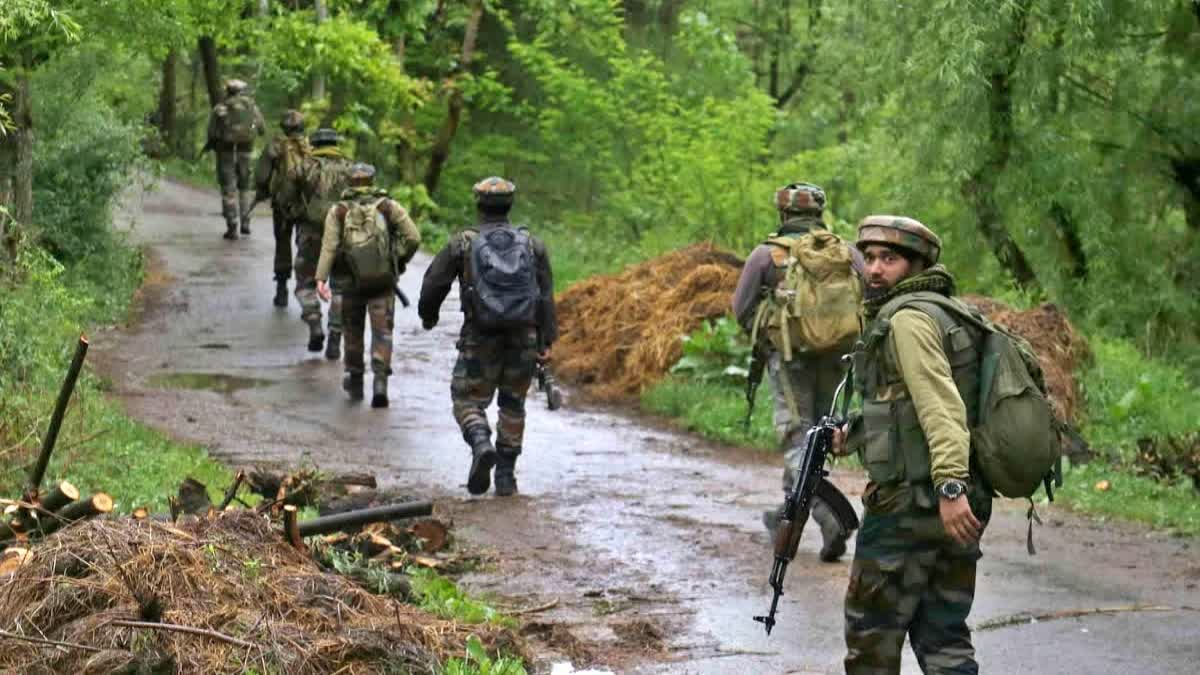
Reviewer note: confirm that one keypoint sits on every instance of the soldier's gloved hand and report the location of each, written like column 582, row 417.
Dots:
column 428, row 324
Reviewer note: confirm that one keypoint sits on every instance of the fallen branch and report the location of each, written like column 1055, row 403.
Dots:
column 232, row 491
column 534, row 610
column 1026, row 618
column 95, row 505
column 56, row 643
column 343, row 521
column 185, row 629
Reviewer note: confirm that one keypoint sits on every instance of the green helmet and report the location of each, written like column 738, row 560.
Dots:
column 901, row 232
column 800, row 198
column 361, row 174
column 324, row 136
column 494, row 191
column 292, row 121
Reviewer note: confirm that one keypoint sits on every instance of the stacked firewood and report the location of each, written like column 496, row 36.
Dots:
column 41, row 514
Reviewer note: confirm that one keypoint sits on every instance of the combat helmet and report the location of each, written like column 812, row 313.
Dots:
column 292, row 121
column 494, row 192
column 800, row 198
column 361, row 174
column 324, row 136
column 901, row 232
column 234, row 86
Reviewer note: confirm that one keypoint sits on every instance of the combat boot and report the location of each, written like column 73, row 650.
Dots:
column 280, row 293
column 353, row 385
column 506, row 479
column 316, row 337
column 379, row 397
column 333, row 348
column 483, row 458
column 833, row 535
column 245, row 228
column 231, row 232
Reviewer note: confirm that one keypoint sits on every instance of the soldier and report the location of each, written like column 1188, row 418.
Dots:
column 509, row 323
column 914, row 563
column 232, row 128
column 325, row 177
column 277, row 176
column 803, row 383
column 368, row 240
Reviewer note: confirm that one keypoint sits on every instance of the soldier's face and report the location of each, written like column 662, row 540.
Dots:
column 885, row 268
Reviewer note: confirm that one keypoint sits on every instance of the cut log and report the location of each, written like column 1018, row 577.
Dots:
column 13, row 558
column 75, row 511
column 351, row 519
column 140, row 513
column 291, row 519
column 64, row 493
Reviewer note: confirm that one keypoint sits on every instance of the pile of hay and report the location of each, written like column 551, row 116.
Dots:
column 231, row 574
column 622, row 332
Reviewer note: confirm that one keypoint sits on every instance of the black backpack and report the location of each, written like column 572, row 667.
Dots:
column 502, row 287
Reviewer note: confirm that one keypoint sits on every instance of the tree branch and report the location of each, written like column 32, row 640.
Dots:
column 185, row 629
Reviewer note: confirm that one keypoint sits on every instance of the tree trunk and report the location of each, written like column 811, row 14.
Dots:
column 318, row 85
column 166, row 103
column 264, row 7
column 16, row 166
column 979, row 189
column 212, row 70
column 440, row 151
column 1068, row 234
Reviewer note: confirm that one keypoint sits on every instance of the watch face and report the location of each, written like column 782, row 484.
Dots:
column 952, row 489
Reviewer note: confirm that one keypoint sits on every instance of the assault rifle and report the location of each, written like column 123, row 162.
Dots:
column 818, row 443
column 547, row 383
column 758, row 363
column 401, row 296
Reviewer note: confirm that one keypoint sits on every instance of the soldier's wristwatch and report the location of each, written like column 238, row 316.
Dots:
column 952, row 489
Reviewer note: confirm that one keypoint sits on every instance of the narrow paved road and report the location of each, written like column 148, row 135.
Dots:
column 648, row 539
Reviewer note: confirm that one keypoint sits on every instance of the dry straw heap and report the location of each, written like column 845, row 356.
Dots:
column 219, row 594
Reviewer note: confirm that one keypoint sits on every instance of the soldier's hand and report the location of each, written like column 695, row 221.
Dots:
column 323, row 291
column 839, row 448
column 959, row 521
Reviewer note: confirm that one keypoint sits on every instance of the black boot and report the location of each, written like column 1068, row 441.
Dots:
column 231, row 232
column 506, row 480
column 353, row 384
column 833, row 535
column 245, row 228
column 483, row 458
column 280, row 293
column 379, row 397
column 333, row 348
column 316, row 337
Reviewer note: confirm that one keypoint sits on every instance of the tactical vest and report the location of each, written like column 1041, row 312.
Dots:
column 894, row 447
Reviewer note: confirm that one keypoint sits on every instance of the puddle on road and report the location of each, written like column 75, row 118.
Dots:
column 218, row 382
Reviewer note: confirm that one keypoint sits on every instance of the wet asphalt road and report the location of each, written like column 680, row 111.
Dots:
column 635, row 530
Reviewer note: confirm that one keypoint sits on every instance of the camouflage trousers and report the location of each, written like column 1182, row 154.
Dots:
column 308, row 252
column 501, row 366
column 284, row 228
column 813, row 381
column 909, row 578
column 233, row 177
column 380, row 310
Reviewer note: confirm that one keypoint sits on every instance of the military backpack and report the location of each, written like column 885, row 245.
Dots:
column 239, row 123
column 366, row 247
column 1015, row 436
column 501, row 279
column 325, row 179
column 816, row 305
column 287, row 177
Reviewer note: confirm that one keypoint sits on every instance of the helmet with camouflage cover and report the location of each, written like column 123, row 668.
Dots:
column 901, row 232
column 494, row 192
column 361, row 174
column 292, row 121
column 234, row 86
column 324, row 136
column 800, row 198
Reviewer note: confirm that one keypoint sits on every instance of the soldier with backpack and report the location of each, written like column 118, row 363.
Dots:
column 232, row 128
column 798, row 297
column 952, row 410
column 278, row 176
column 368, row 240
column 509, row 323
column 325, row 176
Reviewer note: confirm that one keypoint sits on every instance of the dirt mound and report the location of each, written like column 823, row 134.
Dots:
column 232, row 575
column 621, row 332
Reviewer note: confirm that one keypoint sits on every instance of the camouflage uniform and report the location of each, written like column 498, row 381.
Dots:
column 327, row 160
column 378, row 308
column 811, row 379
column 909, row 577
column 285, row 216
column 500, row 365
column 233, row 167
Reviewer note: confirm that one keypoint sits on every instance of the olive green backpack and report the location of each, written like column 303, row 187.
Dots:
column 366, row 247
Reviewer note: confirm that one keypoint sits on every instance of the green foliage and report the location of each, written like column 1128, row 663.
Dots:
column 715, row 409
column 439, row 595
column 477, row 662
column 1171, row 506
column 718, row 350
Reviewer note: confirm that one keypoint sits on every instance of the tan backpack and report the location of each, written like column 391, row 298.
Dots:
column 816, row 307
